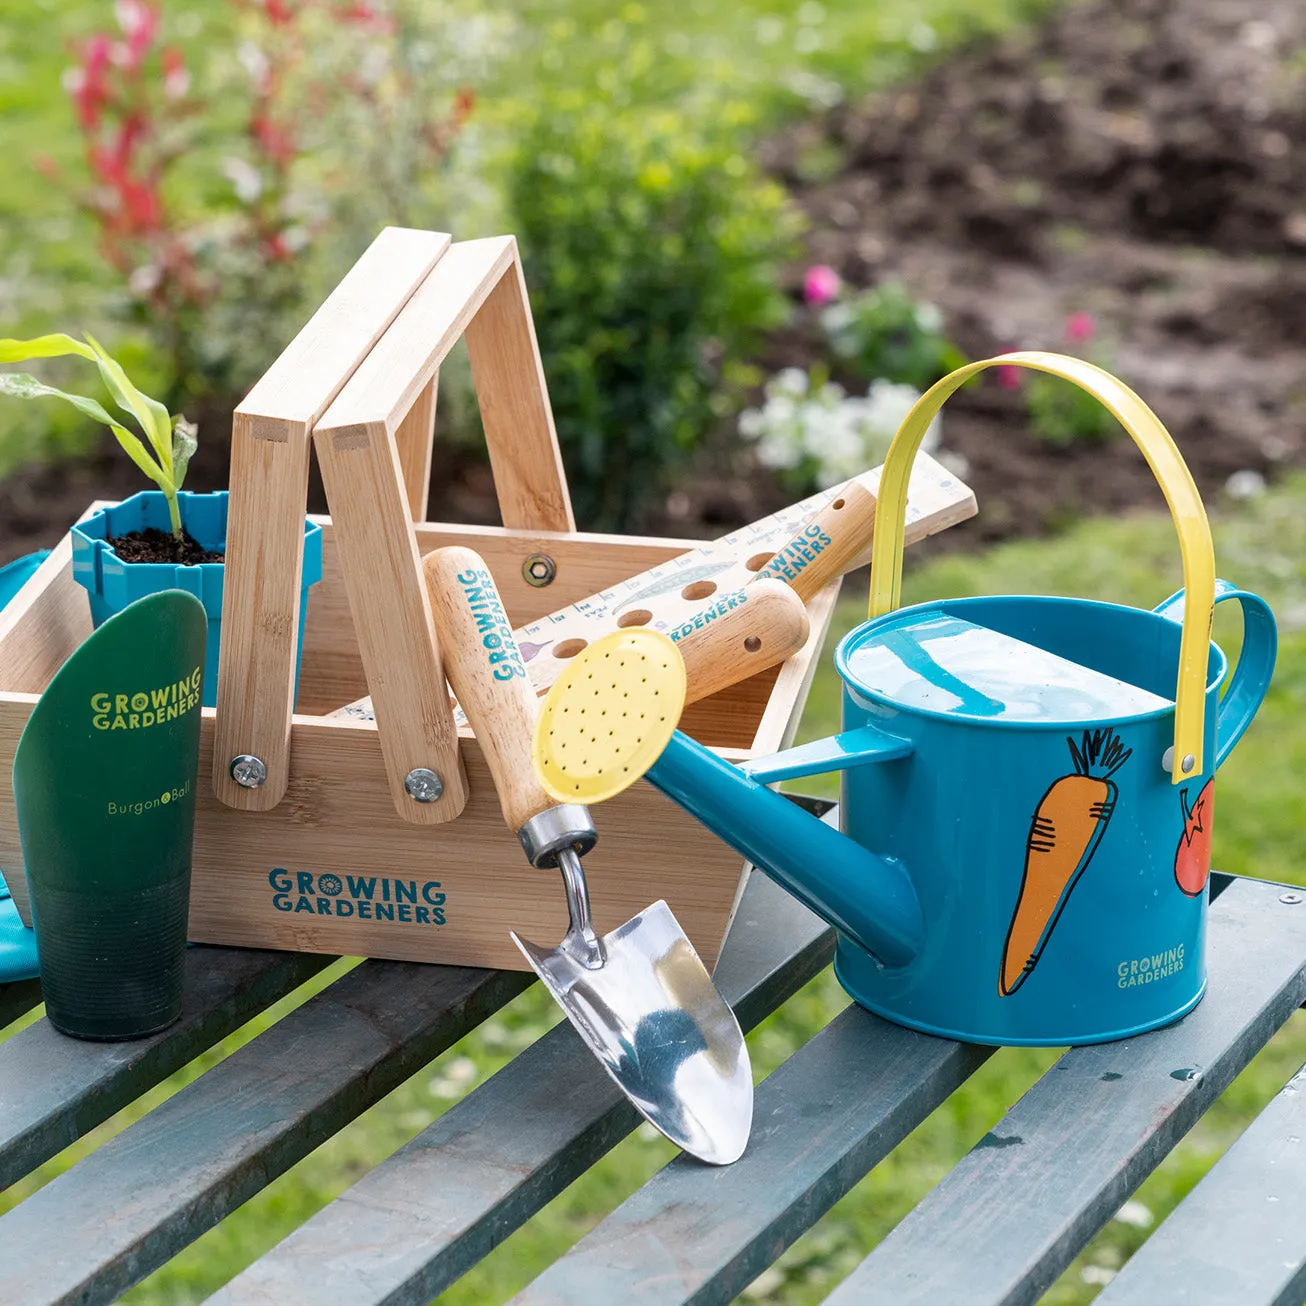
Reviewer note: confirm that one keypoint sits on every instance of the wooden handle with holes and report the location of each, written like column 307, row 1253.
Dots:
column 739, row 634
column 487, row 674
column 831, row 543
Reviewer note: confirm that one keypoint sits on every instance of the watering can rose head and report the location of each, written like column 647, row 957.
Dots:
column 164, row 452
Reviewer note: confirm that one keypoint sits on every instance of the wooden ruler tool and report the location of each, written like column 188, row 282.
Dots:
column 806, row 545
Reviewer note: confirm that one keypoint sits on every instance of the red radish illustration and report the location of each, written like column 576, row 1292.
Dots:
column 1192, row 859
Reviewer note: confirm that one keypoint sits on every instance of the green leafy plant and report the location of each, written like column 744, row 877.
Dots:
column 652, row 250
column 1061, row 413
column 885, row 333
column 169, row 441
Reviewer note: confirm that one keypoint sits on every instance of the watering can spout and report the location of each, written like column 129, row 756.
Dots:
column 868, row 898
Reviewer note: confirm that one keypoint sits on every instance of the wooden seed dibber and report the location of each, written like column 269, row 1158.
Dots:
column 740, row 634
column 830, row 544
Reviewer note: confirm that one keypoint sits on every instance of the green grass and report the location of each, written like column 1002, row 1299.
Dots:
column 1262, row 545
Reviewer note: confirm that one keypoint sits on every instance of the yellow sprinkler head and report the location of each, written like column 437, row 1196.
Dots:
column 608, row 717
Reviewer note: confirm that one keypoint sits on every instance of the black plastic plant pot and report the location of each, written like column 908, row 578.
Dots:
column 104, row 781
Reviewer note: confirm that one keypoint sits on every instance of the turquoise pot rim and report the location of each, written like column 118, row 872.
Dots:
column 874, row 698
column 94, row 558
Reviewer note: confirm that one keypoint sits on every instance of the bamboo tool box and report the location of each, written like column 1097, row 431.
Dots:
column 333, row 851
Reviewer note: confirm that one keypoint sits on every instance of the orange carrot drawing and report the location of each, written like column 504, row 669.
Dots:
column 1068, row 825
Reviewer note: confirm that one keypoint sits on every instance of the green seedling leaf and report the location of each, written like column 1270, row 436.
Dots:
column 52, row 346
column 152, row 415
column 22, row 386
column 184, row 444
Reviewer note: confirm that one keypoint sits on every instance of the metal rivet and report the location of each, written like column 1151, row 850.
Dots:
column 248, row 771
column 539, row 570
column 1167, row 760
column 1292, row 899
column 423, row 785
column 1188, row 763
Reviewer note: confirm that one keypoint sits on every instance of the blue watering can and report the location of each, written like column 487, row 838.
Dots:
column 1026, row 783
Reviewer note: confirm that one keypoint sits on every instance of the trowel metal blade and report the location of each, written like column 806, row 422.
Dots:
column 657, row 1024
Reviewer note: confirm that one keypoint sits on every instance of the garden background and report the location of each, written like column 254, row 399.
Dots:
column 752, row 232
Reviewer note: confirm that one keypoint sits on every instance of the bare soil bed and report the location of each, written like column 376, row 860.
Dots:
column 1144, row 163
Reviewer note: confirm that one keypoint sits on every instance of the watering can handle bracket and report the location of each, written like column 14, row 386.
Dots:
column 835, row 753
column 1251, row 677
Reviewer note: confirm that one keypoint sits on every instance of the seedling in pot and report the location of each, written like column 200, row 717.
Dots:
column 163, row 454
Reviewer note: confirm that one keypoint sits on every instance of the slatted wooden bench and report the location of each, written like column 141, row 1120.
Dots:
column 999, row 1228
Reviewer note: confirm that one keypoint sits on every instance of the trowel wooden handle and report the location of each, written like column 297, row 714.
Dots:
column 740, row 634
column 832, row 543
column 488, row 676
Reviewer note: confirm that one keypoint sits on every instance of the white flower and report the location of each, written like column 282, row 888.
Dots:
column 1134, row 1213
column 253, row 61
column 780, row 410
column 143, row 280
column 1098, row 1275
column 1247, row 484
column 458, row 1076
column 922, row 38
column 776, row 449
column 752, row 422
column 244, row 177
column 888, row 406
column 789, row 381
column 837, row 317
column 929, row 318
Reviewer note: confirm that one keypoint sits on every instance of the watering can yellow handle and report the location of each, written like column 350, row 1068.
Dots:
column 1167, row 466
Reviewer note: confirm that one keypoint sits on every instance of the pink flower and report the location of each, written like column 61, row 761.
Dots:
column 176, row 80
column 821, row 284
column 1080, row 328
column 1008, row 376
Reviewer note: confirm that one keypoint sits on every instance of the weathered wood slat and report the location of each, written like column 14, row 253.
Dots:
column 1015, row 1211
column 17, row 998
column 174, row 1174
column 823, row 1119
column 53, row 1089
column 420, row 1219
column 1239, row 1235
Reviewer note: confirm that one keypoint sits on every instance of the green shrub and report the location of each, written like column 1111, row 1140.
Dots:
column 652, row 249
column 885, row 333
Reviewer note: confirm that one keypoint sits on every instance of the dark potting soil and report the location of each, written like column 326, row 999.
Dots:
column 1145, row 164
column 152, row 545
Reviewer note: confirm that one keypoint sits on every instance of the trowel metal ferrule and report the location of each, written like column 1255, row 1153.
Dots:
column 552, row 831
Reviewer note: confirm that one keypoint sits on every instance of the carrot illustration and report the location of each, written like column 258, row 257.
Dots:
column 1068, row 825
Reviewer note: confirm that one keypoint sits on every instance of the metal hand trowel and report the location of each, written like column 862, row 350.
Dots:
column 640, row 996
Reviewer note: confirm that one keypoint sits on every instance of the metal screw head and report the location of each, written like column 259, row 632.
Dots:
column 1188, row 763
column 248, row 771
column 423, row 784
column 1292, row 899
column 539, row 570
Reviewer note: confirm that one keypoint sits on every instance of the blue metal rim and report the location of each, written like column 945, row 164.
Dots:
column 874, row 698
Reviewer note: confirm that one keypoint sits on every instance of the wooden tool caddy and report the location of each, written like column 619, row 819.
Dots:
column 332, row 853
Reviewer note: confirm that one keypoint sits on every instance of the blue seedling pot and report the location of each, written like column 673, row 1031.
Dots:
column 113, row 584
